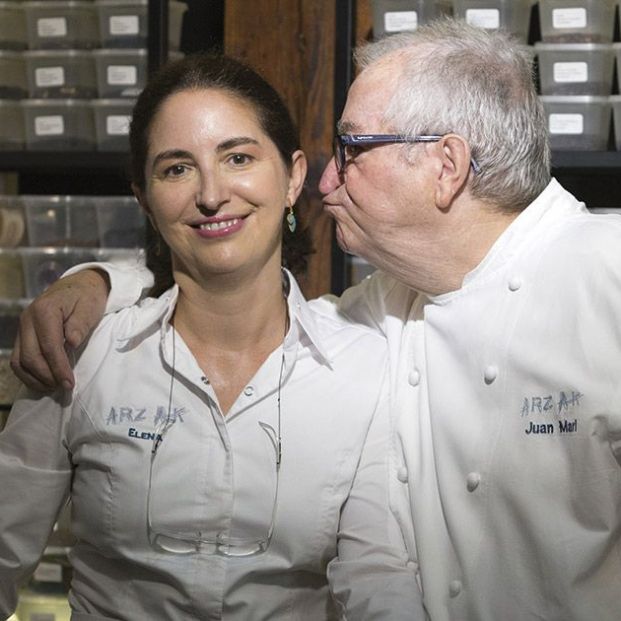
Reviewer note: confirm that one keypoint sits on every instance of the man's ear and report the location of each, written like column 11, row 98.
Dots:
column 454, row 153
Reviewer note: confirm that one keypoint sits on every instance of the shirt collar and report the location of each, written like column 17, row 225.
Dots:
column 156, row 312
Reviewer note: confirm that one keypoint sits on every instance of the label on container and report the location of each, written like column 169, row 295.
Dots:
column 484, row 18
column 571, row 72
column 52, row 27
column 50, row 125
column 126, row 75
column 569, row 18
column 48, row 572
column 118, row 124
column 122, row 25
column 50, row 76
column 398, row 21
column 566, row 124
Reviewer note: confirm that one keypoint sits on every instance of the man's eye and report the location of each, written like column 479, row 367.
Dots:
column 353, row 150
column 175, row 170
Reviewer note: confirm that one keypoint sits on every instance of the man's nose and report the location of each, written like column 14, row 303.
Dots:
column 330, row 179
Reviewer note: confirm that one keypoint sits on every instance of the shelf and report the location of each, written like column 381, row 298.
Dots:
column 605, row 162
column 64, row 162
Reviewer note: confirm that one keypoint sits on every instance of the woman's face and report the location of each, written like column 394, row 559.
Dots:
column 216, row 186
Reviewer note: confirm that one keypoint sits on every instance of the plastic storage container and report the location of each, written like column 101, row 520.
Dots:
column 13, row 83
column 12, row 132
column 10, row 311
column 9, row 387
column 112, row 119
column 390, row 16
column 61, row 74
column 121, row 222
column 12, row 221
column 578, row 123
column 176, row 11
column 510, row 15
column 122, row 23
column 577, row 21
column 43, row 607
column 120, row 72
column 359, row 269
column 615, row 102
column 59, row 124
column 55, row 24
column 12, row 26
column 575, row 68
column 61, row 220
column 43, row 266
column 11, row 274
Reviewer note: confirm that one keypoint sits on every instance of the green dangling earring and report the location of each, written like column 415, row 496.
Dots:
column 291, row 221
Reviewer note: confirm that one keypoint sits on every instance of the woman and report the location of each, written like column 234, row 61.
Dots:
column 225, row 449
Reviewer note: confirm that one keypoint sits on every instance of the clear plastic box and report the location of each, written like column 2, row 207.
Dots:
column 11, row 274
column 120, row 72
column 9, row 387
column 176, row 11
column 577, row 21
column 578, row 123
column 122, row 223
column 10, row 311
column 12, row 26
column 61, row 74
column 13, row 83
column 61, row 220
column 43, row 266
column 71, row 24
column 391, row 16
column 59, row 124
column 12, row 221
column 359, row 269
column 112, row 119
column 122, row 23
column 12, row 132
column 615, row 102
column 510, row 15
column 575, row 68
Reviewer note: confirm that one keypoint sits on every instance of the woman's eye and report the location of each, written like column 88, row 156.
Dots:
column 175, row 170
column 239, row 159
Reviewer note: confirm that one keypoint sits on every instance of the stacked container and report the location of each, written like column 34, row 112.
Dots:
column 576, row 69
column 510, row 15
column 392, row 16
column 70, row 63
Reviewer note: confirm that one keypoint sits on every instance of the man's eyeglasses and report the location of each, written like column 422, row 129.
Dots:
column 345, row 145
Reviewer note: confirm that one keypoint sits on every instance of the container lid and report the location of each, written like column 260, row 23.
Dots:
column 119, row 101
column 615, row 98
column 59, row 4
column 10, row 53
column 574, row 98
column 122, row 2
column 56, row 103
column 56, row 53
column 120, row 51
column 10, row 103
column 570, row 47
column 14, row 6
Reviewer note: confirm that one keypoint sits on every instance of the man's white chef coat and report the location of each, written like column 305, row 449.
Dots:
column 332, row 508
column 507, row 407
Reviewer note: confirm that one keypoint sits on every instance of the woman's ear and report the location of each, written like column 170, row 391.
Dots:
column 297, row 176
column 140, row 197
column 455, row 159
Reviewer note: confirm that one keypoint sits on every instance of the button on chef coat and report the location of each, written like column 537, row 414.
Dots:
column 212, row 472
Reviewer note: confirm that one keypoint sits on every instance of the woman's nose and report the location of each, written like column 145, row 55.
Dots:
column 213, row 191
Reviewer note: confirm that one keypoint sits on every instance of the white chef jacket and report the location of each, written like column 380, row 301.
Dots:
column 507, row 406
column 507, row 400
column 95, row 444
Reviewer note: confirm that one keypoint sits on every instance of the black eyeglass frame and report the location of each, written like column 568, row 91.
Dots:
column 342, row 141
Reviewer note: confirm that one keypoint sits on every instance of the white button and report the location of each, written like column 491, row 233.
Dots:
column 515, row 283
column 454, row 588
column 249, row 391
column 414, row 377
column 472, row 481
column 490, row 374
column 411, row 564
column 402, row 474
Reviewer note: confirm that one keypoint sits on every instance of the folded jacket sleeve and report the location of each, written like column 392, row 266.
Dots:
column 35, row 478
column 372, row 577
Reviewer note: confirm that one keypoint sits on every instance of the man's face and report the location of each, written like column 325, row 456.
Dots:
column 373, row 199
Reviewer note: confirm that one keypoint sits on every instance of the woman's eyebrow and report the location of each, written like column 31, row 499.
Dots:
column 231, row 143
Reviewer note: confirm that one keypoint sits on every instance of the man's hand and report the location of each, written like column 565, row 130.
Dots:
column 62, row 317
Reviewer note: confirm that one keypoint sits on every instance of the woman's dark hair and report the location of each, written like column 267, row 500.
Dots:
column 204, row 71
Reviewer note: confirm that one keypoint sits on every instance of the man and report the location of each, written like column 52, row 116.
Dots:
column 497, row 293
